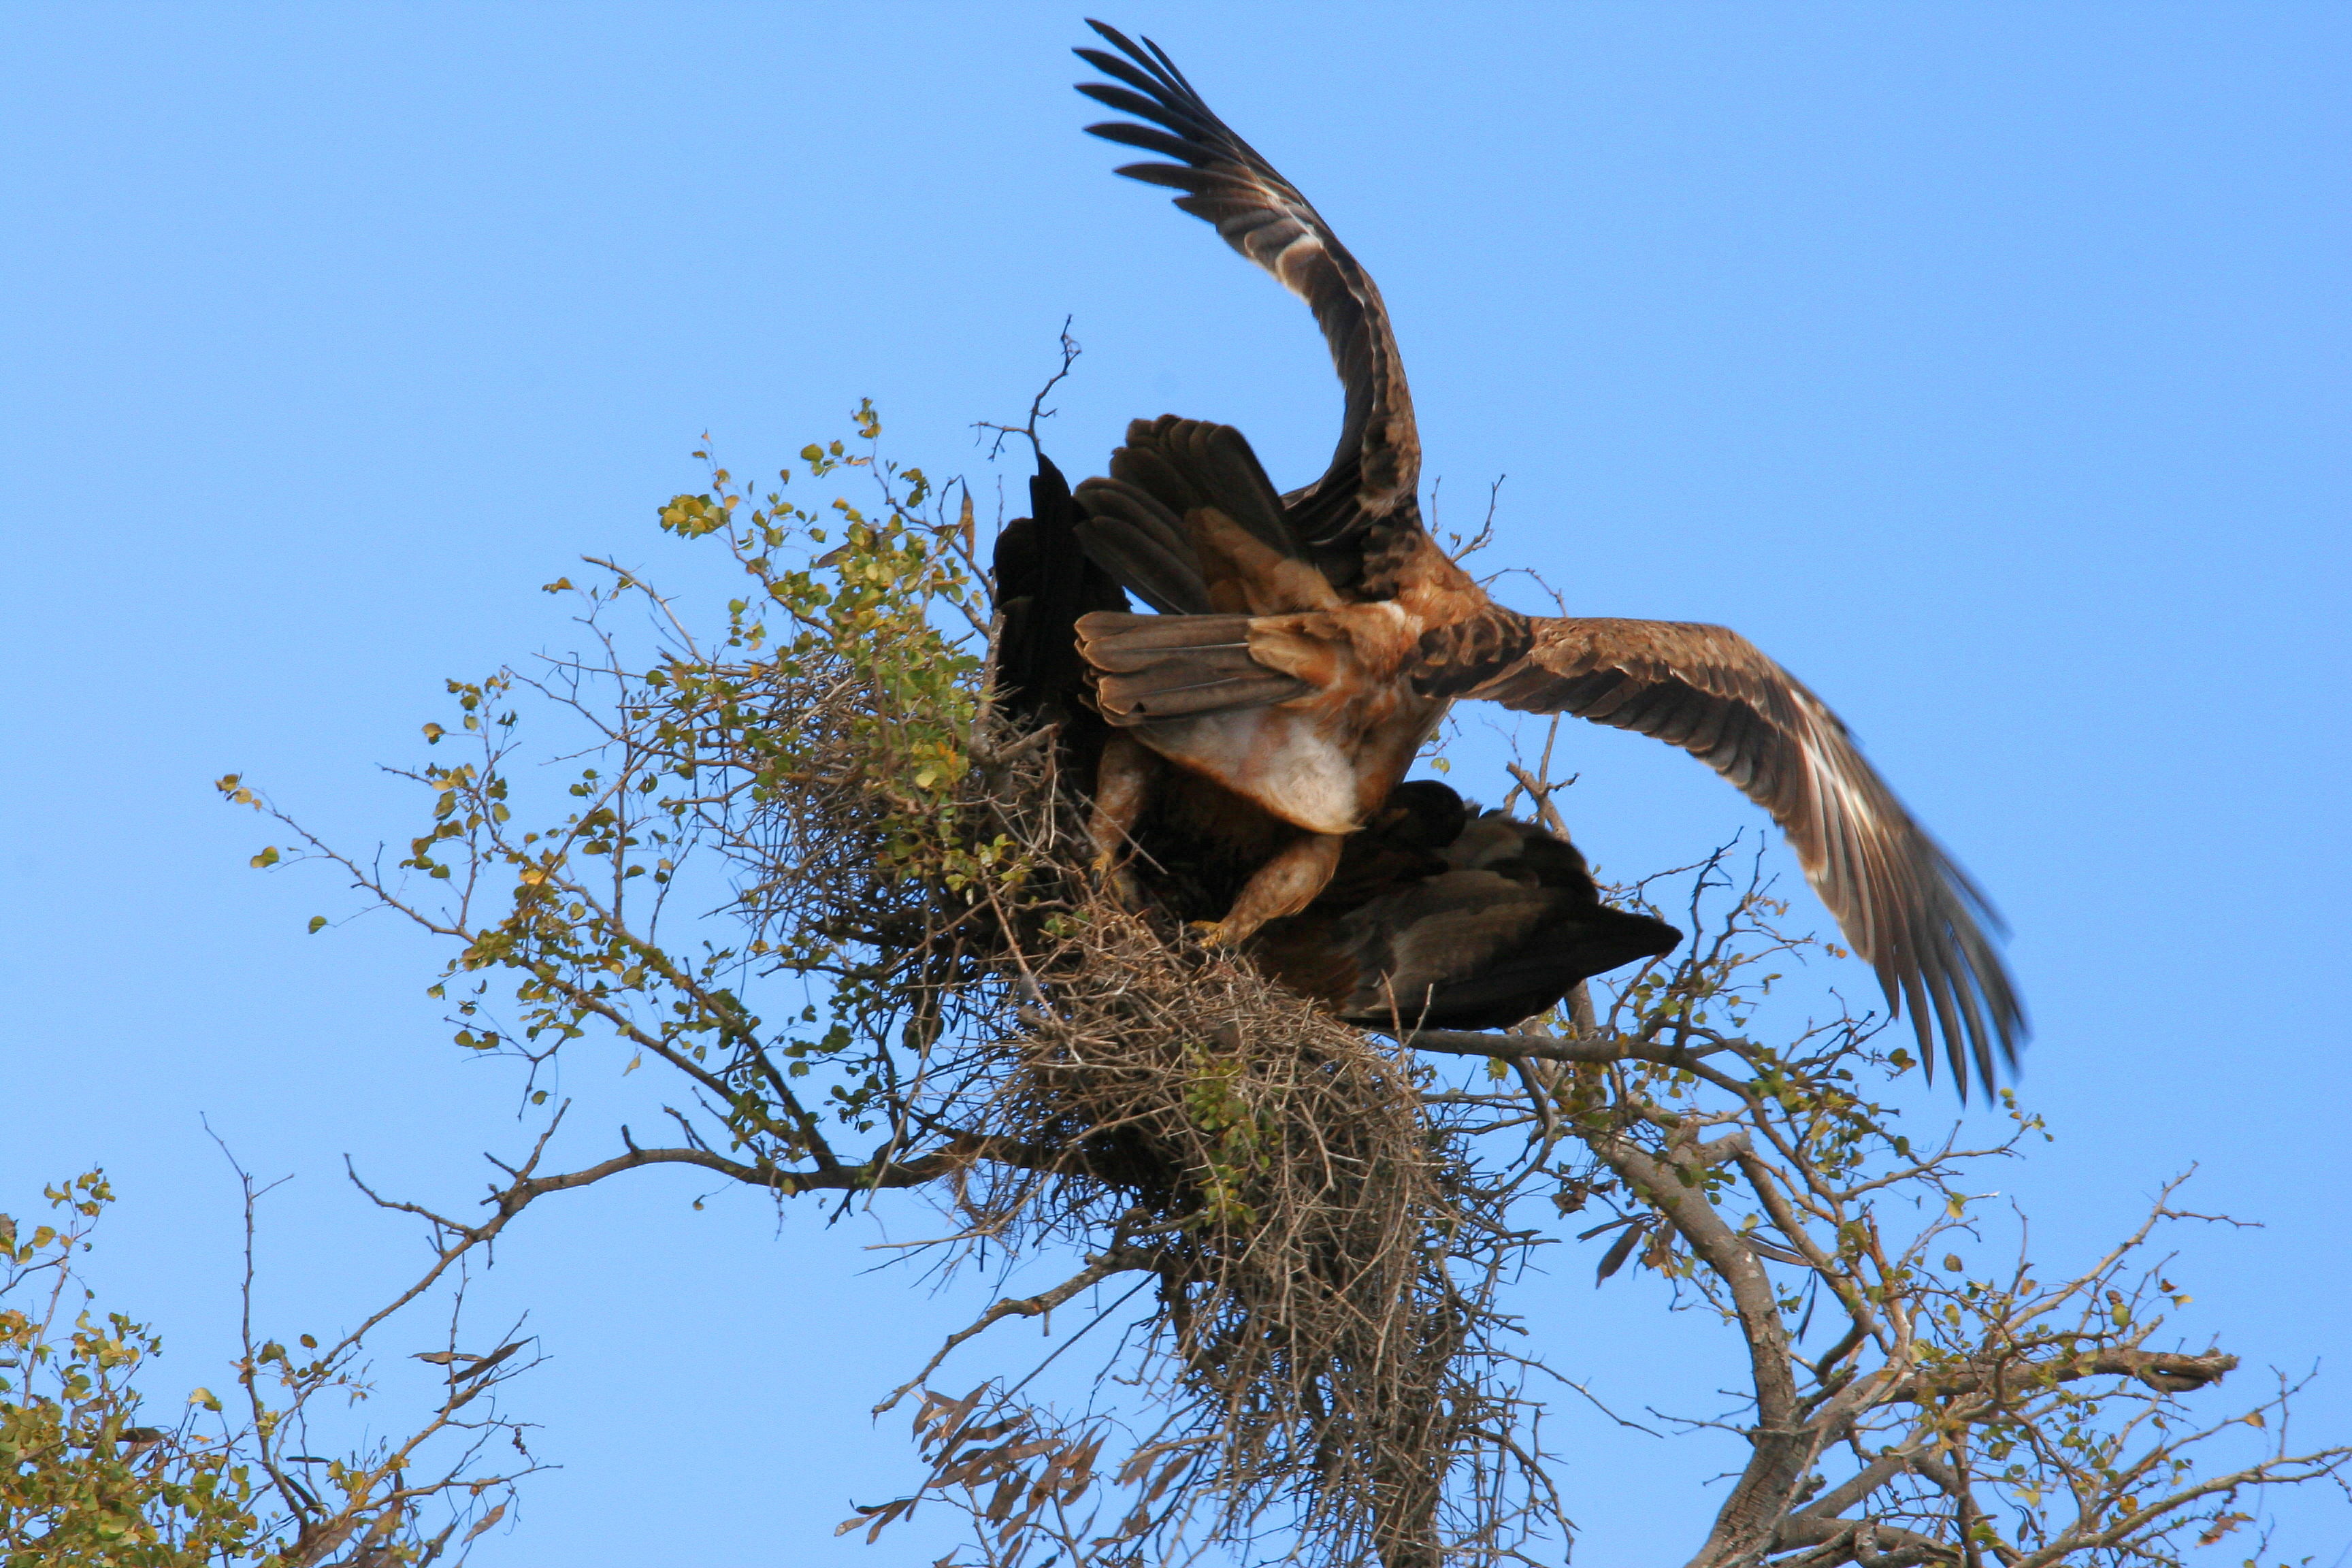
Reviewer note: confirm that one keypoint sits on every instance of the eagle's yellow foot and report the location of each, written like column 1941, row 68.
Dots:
column 1117, row 880
column 1213, row 933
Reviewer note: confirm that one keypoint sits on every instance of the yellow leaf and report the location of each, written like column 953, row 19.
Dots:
column 487, row 1521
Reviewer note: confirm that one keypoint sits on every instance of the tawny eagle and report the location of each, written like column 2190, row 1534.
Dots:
column 1436, row 917
column 1307, row 643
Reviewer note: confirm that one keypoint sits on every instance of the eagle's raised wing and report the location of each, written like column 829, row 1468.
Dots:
column 1900, row 900
column 1377, row 463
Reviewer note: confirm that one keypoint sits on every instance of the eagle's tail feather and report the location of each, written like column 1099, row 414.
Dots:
column 1168, row 667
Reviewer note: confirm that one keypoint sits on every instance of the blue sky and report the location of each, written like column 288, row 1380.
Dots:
column 1987, row 364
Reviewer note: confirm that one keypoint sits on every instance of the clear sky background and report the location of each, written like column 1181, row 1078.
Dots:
column 1987, row 364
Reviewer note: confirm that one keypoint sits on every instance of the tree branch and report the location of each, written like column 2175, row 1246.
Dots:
column 1784, row 1448
column 1116, row 1260
column 1550, row 1047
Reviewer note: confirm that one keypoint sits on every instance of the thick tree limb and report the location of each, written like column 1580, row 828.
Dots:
column 1784, row 1446
column 1866, row 1542
column 2166, row 1371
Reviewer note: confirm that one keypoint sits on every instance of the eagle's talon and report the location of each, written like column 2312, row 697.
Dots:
column 1212, row 933
column 1117, row 880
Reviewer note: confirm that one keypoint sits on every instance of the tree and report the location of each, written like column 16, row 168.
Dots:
column 83, row 1481
column 909, row 977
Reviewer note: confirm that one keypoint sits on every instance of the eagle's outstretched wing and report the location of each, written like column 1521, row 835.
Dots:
column 1368, row 488
column 1900, row 900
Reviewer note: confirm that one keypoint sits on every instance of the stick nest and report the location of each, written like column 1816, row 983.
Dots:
column 1321, row 1341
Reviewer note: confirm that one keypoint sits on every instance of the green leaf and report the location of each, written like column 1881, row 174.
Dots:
column 318, row 924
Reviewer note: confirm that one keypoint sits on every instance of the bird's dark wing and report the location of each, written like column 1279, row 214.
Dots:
column 1462, row 950
column 1434, row 921
column 1472, row 949
column 1369, row 490
column 1044, row 581
column 1405, row 841
column 1901, row 901
column 1155, row 524
column 1131, row 534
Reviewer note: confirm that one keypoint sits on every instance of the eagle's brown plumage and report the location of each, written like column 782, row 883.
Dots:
column 1308, row 642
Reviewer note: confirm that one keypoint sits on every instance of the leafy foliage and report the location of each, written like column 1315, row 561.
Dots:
column 83, row 1481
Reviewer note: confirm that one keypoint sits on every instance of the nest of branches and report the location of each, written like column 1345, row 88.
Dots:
column 1324, row 1265
column 1322, row 1336
column 1274, row 1171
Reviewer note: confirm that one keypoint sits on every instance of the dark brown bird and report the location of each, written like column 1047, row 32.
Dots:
column 1440, row 918
column 1044, row 583
column 1309, row 643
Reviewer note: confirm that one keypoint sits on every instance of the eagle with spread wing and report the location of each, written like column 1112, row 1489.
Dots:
column 1438, row 916
column 1309, row 643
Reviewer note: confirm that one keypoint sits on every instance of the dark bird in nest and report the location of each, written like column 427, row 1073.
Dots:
column 1044, row 583
column 1443, row 917
column 1436, row 915
column 1307, row 643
